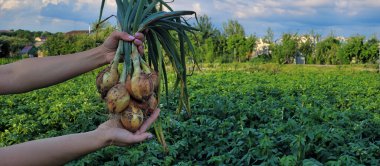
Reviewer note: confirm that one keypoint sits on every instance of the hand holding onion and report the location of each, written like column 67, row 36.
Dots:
column 132, row 99
column 166, row 31
column 111, row 43
column 114, row 133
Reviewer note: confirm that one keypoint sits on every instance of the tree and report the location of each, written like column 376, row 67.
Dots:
column 234, row 43
column 235, row 35
column 206, row 28
column 353, row 48
column 15, row 43
column 23, row 34
column 369, row 53
column 4, row 49
column 233, row 27
column 55, row 45
column 307, row 47
column 221, row 50
column 209, row 50
column 284, row 52
column 249, row 45
column 206, row 39
column 269, row 37
column 326, row 52
column 315, row 38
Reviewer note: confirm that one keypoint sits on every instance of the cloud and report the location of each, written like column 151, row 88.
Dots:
column 69, row 11
column 51, row 15
column 297, row 15
column 6, row 5
column 197, row 7
column 80, row 10
column 342, row 16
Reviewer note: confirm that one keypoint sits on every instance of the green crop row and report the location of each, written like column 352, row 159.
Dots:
column 258, row 115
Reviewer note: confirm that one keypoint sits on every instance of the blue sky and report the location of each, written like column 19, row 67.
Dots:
column 340, row 17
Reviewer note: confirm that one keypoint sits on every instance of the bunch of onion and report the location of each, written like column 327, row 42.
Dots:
column 135, row 94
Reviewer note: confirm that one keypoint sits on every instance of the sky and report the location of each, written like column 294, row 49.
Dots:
column 338, row 17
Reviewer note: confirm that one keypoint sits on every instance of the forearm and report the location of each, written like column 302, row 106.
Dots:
column 35, row 73
column 52, row 151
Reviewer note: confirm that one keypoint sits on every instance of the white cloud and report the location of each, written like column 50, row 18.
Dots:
column 54, row 2
column 255, row 15
column 197, row 7
column 311, row 3
column 12, row 4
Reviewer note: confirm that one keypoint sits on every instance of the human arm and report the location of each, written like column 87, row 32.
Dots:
column 34, row 73
column 60, row 150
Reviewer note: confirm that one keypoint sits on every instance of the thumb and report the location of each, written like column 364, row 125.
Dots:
column 140, row 137
column 123, row 36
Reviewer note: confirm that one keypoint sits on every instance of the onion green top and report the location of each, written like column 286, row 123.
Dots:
column 164, row 31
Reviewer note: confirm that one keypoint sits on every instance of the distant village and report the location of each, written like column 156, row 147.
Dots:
column 33, row 50
column 262, row 47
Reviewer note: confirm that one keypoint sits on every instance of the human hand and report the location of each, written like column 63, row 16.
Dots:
column 112, row 42
column 114, row 133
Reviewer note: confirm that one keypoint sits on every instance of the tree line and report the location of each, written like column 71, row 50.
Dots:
column 331, row 50
column 231, row 44
column 11, row 42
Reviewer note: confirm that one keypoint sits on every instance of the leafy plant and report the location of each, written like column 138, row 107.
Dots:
column 298, row 115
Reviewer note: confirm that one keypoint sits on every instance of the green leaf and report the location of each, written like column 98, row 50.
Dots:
column 120, row 12
column 160, row 15
column 139, row 15
column 101, row 11
column 149, row 9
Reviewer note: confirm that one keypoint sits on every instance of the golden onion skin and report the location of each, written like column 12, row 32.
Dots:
column 117, row 98
column 152, row 102
column 106, row 79
column 141, row 86
column 155, row 80
column 132, row 118
column 150, row 105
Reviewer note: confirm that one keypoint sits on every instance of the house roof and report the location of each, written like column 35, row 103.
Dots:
column 5, row 31
column 76, row 32
column 41, row 38
column 26, row 49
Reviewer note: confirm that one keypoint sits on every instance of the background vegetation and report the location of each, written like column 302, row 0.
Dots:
column 230, row 44
column 244, row 114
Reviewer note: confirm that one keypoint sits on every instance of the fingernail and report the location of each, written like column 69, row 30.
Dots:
column 138, row 34
column 150, row 136
column 131, row 37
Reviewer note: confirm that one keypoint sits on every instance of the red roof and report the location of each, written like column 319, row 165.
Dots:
column 5, row 31
column 76, row 32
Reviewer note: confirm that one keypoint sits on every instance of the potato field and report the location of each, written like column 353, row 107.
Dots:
column 245, row 114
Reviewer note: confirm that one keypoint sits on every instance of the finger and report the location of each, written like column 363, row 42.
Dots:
column 141, row 49
column 137, row 42
column 123, row 36
column 140, row 36
column 135, row 138
column 149, row 121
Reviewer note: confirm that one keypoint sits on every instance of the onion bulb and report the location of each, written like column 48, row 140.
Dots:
column 117, row 98
column 152, row 102
column 132, row 118
column 106, row 79
column 141, row 86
